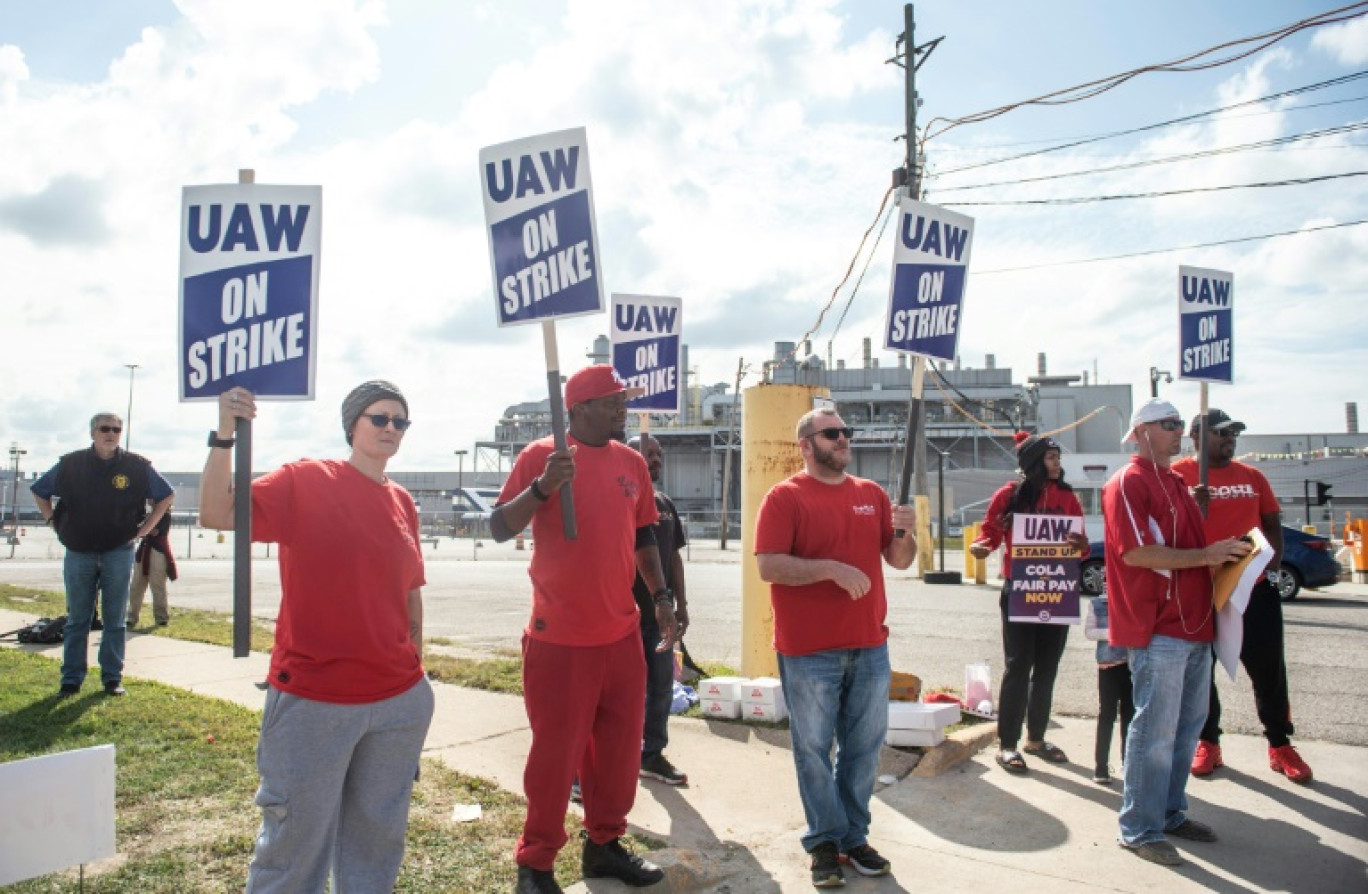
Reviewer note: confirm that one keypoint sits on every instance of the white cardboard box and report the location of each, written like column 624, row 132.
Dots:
column 762, row 690
column 762, row 711
column 724, row 688
column 729, row 709
column 921, row 716
column 923, row 737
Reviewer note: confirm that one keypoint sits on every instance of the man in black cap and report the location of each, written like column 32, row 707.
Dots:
column 1237, row 498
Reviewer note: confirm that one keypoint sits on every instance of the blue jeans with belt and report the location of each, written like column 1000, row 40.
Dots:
column 838, row 696
column 85, row 574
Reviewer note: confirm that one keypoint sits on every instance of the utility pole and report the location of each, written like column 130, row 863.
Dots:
column 733, row 431
column 909, row 178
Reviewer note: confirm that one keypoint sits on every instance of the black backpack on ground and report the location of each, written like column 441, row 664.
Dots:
column 44, row 631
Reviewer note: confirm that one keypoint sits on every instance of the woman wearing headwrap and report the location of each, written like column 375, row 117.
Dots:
column 348, row 703
column 1032, row 651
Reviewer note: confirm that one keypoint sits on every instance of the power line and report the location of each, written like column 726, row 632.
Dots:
column 1094, row 138
column 1083, row 200
column 1170, row 159
column 1160, row 251
column 1185, row 64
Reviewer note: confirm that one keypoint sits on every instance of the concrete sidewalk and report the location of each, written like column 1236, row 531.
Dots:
column 735, row 827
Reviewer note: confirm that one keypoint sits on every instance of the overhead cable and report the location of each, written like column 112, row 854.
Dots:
column 1083, row 200
column 1160, row 251
column 1244, row 47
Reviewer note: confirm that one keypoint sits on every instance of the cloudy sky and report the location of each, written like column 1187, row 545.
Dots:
column 739, row 148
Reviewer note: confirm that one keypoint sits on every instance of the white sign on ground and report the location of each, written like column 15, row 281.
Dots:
column 646, row 334
column 539, row 207
column 926, row 298
column 1206, row 314
column 56, row 811
column 249, row 261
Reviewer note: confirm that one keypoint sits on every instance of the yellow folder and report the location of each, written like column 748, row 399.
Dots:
column 1227, row 577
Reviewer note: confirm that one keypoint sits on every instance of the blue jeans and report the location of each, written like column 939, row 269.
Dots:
column 1169, row 679
column 839, row 696
column 108, row 573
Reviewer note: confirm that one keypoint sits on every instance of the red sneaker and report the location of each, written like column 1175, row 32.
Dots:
column 1206, row 759
column 1286, row 761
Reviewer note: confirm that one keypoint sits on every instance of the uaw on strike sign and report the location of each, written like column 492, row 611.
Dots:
column 1045, row 570
column 926, row 299
column 1206, row 313
column 249, row 260
column 539, row 208
column 646, row 335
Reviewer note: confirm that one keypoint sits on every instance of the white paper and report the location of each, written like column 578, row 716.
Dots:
column 466, row 813
column 1230, row 619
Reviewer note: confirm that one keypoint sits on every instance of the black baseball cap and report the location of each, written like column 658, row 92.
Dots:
column 1216, row 420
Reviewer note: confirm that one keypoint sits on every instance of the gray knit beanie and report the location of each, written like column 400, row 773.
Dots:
column 363, row 396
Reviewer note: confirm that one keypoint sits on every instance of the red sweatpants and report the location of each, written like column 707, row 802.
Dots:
column 585, row 705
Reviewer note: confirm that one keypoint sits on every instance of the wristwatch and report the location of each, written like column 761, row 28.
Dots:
column 665, row 594
column 216, row 441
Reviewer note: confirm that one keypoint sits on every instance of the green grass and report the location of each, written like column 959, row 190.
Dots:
column 190, row 624
column 491, row 674
column 185, row 820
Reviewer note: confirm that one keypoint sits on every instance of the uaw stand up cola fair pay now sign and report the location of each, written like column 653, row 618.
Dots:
column 646, row 335
column 1206, row 313
column 249, row 260
column 1045, row 570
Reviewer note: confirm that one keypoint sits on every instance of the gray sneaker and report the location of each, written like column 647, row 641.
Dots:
column 1160, row 852
column 1192, row 831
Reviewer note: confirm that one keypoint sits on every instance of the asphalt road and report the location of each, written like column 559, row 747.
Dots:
column 482, row 605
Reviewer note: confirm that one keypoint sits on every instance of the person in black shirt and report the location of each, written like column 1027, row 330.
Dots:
column 97, row 501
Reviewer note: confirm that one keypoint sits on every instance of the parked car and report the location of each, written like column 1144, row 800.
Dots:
column 1308, row 561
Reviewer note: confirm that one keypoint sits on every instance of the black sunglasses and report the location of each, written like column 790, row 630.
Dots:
column 1170, row 424
column 380, row 420
column 111, row 429
column 833, row 433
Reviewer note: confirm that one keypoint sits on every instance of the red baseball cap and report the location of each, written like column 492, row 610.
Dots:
column 593, row 382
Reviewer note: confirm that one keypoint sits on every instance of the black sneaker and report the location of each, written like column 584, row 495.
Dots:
column 867, row 861
column 826, row 866
column 1102, row 775
column 68, row 690
column 536, row 881
column 114, row 687
column 612, row 860
column 658, row 767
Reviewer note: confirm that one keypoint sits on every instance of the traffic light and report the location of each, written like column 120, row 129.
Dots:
column 1322, row 494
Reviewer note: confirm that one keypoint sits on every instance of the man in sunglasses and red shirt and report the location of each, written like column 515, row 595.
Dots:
column 1159, row 589
column 101, row 496
column 821, row 538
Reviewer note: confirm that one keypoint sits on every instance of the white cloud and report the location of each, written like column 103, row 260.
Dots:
column 1346, row 43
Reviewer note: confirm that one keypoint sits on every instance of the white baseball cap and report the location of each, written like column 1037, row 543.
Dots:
column 1152, row 410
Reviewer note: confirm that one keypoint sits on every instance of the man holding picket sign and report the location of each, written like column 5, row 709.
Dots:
column 584, row 680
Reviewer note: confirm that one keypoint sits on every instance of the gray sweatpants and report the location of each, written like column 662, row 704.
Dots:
column 335, row 786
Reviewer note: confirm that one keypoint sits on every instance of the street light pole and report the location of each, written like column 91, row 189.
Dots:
column 15, row 453
column 460, row 482
column 128, row 420
column 1155, row 375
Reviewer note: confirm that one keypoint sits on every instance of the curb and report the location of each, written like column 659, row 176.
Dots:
column 957, row 748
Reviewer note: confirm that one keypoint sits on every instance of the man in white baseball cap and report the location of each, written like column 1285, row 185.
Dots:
column 1161, row 612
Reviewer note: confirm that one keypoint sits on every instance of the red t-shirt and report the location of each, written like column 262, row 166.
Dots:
column 1143, row 505
column 850, row 522
column 997, row 527
column 1240, row 497
column 582, row 589
column 349, row 556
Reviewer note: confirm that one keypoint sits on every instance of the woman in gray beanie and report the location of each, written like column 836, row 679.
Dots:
column 348, row 703
column 1032, row 651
